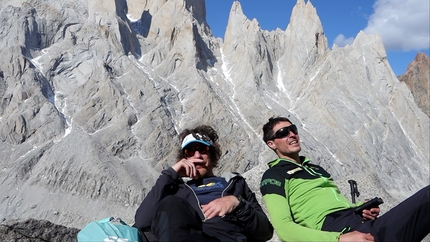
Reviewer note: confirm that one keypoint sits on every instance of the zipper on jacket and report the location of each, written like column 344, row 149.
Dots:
column 198, row 202
column 312, row 172
column 230, row 182
column 228, row 185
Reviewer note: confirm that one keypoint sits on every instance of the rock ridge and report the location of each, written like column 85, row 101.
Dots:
column 417, row 78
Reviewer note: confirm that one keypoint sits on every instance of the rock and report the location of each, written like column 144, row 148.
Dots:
column 32, row 230
column 417, row 78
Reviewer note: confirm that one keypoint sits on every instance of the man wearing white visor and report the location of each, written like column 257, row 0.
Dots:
column 189, row 203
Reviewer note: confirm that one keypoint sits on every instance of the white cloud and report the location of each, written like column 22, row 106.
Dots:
column 402, row 24
column 341, row 41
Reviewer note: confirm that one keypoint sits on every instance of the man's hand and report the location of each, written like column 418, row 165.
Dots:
column 220, row 206
column 371, row 214
column 187, row 167
column 356, row 236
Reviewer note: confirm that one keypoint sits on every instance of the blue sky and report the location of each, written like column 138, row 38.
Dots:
column 402, row 24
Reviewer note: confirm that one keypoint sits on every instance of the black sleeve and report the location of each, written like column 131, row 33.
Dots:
column 164, row 186
column 252, row 217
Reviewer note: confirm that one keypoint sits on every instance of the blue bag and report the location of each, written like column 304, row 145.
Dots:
column 109, row 230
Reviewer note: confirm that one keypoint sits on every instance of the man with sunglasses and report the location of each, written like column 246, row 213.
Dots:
column 189, row 203
column 304, row 204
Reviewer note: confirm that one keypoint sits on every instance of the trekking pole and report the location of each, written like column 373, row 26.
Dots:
column 354, row 190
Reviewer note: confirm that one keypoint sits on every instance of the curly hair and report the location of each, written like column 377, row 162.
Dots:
column 214, row 149
column 268, row 127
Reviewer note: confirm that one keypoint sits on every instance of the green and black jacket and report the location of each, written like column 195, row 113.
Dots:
column 298, row 198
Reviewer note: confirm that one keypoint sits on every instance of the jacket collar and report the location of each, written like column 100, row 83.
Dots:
column 284, row 161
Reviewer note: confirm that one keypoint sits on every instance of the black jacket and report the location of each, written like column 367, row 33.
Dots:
column 247, row 222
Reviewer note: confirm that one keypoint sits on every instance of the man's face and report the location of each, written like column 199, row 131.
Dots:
column 287, row 146
column 200, row 155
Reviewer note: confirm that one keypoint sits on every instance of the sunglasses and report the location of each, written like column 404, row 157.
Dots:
column 190, row 151
column 285, row 132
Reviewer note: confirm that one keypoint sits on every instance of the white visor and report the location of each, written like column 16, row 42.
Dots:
column 203, row 139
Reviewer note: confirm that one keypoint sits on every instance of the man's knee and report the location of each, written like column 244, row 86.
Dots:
column 423, row 195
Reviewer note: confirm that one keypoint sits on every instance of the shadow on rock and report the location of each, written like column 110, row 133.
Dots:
column 33, row 230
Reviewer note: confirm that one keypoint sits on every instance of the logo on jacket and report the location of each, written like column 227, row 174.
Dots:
column 271, row 182
column 210, row 184
column 290, row 172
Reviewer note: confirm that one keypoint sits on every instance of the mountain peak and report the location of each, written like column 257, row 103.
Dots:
column 417, row 78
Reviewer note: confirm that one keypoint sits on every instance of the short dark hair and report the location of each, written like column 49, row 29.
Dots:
column 214, row 149
column 268, row 127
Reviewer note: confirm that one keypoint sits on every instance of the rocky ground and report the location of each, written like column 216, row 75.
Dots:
column 32, row 230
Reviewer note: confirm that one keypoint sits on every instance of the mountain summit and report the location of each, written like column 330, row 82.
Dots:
column 94, row 93
column 417, row 78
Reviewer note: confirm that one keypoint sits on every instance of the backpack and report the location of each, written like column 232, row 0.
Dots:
column 109, row 230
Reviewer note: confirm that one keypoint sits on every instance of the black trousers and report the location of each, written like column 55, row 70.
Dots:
column 176, row 220
column 408, row 221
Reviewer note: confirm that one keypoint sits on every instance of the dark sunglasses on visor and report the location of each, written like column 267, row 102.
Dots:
column 285, row 132
column 190, row 151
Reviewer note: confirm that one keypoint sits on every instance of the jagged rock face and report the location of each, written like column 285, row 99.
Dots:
column 417, row 78
column 92, row 103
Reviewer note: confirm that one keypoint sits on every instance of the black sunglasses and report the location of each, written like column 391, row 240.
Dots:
column 190, row 151
column 285, row 132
